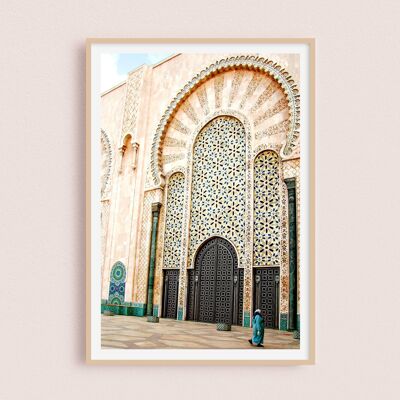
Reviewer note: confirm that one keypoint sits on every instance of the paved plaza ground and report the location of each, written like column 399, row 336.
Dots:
column 123, row 332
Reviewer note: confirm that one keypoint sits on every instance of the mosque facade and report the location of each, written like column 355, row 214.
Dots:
column 200, row 190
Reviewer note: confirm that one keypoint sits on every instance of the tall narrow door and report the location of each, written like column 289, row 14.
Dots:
column 170, row 293
column 266, row 294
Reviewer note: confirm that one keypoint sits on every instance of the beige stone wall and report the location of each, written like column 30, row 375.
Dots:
column 112, row 105
column 111, row 112
column 131, row 114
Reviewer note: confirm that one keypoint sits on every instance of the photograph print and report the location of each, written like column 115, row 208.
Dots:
column 200, row 201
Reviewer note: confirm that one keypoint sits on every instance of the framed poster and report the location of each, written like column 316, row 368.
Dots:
column 200, row 201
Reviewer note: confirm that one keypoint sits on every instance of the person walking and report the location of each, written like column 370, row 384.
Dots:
column 258, row 329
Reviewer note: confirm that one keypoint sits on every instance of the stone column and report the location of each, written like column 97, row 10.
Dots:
column 292, row 217
column 122, row 152
column 155, row 212
column 135, row 147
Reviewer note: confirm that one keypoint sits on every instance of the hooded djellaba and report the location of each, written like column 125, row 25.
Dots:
column 258, row 329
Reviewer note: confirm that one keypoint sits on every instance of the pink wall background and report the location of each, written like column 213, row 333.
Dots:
column 42, row 128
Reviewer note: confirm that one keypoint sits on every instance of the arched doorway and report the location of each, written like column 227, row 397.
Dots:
column 215, row 284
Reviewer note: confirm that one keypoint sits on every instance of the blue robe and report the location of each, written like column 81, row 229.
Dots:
column 258, row 329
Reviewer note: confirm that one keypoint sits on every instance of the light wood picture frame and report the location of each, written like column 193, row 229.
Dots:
column 141, row 140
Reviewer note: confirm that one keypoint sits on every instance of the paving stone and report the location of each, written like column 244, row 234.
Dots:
column 136, row 333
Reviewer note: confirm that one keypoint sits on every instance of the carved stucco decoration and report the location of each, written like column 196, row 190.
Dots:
column 134, row 84
column 107, row 164
column 252, row 63
column 245, row 255
column 267, row 209
column 174, row 220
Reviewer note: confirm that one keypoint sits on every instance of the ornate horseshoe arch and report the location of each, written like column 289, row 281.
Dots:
column 280, row 79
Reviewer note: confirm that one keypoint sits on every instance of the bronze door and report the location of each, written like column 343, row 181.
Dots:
column 214, row 286
column 266, row 294
column 170, row 293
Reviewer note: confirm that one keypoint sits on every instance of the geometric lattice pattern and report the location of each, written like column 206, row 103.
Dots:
column 174, row 221
column 266, row 288
column 218, row 184
column 207, row 283
column 117, row 284
column 216, row 290
column 267, row 210
column 284, row 271
column 171, row 286
column 291, row 169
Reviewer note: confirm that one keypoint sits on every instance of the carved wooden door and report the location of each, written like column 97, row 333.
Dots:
column 266, row 294
column 214, row 293
column 170, row 293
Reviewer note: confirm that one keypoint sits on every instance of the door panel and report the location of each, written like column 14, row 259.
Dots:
column 208, row 259
column 266, row 294
column 224, row 285
column 170, row 293
column 215, row 286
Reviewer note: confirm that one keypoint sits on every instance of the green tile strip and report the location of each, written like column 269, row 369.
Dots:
column 155, row 212
column 246, row 319
column 137, row 310
column 298, row 322
column 283, row 323
column 291, row 187
column 180, row 314
column 155, row 310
